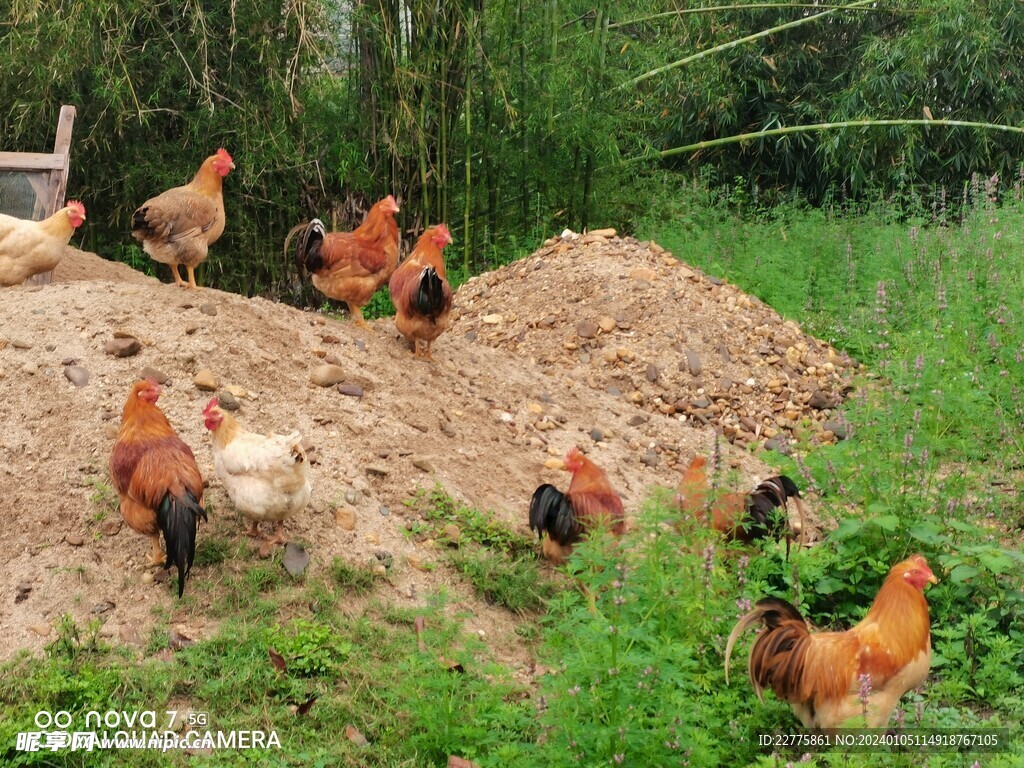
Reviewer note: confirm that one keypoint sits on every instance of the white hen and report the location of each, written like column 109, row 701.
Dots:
column 266, row 476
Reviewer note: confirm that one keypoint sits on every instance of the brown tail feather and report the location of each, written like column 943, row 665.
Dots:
column 781, row 620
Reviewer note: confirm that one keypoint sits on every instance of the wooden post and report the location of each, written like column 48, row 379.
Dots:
column 51, row 190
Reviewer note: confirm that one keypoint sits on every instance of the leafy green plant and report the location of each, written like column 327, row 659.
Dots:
column 309, row 648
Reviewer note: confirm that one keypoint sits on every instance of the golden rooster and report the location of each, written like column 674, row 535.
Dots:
column 420, row 291
column 830, row 677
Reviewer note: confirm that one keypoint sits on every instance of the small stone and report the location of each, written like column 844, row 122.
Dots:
column 492, row 319
column 607, row 324
column 350, row 390
column 836, row 428
column 40, row 629
column 643, row 273
column 208, row 309
column 596, row 435
column 23, row 590
column 423, row 464
column 238, row 392
column 227, row 401
column 147, row 578
column 613, row 391
column 75, row 540
column 65, row 362
column 345, row 518
column 155, row 374
column 652, row 372
column 20, row 344
column 206, row 381
column 418, row 563
column 452, row 532
column 637, row 419
column 715, row 280
column 191, row 327
column 554, row 463
column 777, row 444
column 123, row 347
column 30, row 368
column 327, row 375
column 111, row 527
column 77, row 375
column 650, row 459
column 692, row 363
column 606, row 232
column 384, row 511
column 295, row 559
column 586, row 330
column 819, row 400
column 377, row 471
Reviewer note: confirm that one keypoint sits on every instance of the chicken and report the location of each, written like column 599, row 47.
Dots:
column 739, row 516
column 157, row 480
column 565, row 517
column 30, row 248
column 266, row 476
column 178, row 226
column 830, row 677
column 351, row 266
column 420, row 292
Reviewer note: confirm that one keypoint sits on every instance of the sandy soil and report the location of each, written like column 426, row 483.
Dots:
column 503, row 396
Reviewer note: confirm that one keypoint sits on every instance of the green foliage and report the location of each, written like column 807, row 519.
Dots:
column 350, row 577
column 309, row 648
column 500, row 564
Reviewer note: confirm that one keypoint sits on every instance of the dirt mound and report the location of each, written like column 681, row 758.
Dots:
column 626, row 319
column 85, row 265
column 480, row 421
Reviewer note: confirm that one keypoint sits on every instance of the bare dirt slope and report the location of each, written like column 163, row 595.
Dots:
column 481, row 420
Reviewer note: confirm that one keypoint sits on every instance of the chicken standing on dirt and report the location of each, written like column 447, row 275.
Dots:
column 565, row 517
column 178, row 226
column 351, row 266
column 420, row 292
column 740, row 516
column 829, row 678
column 157, row 480
column 30, row 248
column 266, row 476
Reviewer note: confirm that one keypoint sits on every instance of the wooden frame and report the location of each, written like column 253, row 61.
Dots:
column 51, row 188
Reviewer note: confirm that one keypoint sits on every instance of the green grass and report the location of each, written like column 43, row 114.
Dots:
column 932, row 464
column 501, row 565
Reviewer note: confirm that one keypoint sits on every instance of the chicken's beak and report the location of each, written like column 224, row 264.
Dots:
column 231, row 165
column 933, row 579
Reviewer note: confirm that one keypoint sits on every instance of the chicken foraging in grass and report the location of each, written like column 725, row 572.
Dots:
column 740, row 516
column 420, row 292
column 30, row 248
column 350, row 266
column 830, row 677
column 565, row 517
column 266, row 476
column 157, row 481
column 178, row 226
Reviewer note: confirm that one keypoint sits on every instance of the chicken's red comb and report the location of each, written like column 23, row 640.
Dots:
column 77, row 206
column 214, row 403
column 442, row 229
column 394, row 203
column 223, row 155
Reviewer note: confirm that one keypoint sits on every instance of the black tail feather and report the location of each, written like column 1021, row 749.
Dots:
column 775, row 610
column 551, row 513
column 178, row 519
column 429, row 299
column 307, row 250
column 766, row 507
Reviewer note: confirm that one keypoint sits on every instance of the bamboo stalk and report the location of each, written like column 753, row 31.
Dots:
column 468, row 108
column 738, row 42
column 754, row 6
column 741, row 137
